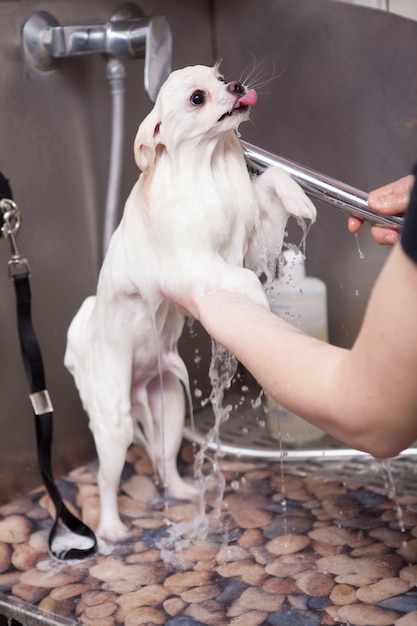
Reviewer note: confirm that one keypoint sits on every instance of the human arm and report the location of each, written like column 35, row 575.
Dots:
column 365, row 397
column 391, row 199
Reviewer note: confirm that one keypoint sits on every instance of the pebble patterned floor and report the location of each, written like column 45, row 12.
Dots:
column 324, row 551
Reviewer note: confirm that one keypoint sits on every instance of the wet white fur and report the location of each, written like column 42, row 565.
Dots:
column 188, row 224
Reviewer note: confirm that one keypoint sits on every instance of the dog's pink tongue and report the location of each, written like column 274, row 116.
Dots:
column 249, row 99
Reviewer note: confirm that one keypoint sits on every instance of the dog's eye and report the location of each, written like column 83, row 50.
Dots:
column 221, row 79
column 198, row 97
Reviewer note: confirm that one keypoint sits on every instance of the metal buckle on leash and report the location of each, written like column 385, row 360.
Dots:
column 12, row 220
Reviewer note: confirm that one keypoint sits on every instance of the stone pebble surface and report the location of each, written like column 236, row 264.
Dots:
column 298, row 550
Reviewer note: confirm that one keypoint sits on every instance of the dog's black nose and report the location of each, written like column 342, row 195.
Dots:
column 235, row 87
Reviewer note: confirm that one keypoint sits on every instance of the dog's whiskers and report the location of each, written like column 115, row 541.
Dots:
column 248, row 71
column 256, row 75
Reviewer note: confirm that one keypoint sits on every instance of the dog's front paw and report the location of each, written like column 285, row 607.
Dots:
column 277, row 182
column 299, row 205
column 245, row 282
column 112, row 531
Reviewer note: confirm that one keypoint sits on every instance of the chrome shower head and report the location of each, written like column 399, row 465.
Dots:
column 322, row 187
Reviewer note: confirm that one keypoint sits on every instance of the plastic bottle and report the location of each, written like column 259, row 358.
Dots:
column 302, row 301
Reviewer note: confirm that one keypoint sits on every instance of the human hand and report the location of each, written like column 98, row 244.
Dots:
column 391, row 199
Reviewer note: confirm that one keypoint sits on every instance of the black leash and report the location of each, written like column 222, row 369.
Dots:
column 19, row 272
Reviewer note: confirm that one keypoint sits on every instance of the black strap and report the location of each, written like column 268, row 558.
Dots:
column 33, row 363
column 5, row 192
column 409, row 231
column 43, row 411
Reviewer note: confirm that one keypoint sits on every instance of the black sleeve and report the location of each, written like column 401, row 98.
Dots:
column 409, row 231
column 5, row 191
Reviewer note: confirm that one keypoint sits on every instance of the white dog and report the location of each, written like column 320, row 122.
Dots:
column 189, row 223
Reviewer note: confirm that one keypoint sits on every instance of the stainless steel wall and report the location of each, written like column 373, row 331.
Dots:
column 54, row 148
column 343, row 101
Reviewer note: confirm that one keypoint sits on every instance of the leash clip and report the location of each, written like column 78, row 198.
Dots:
column 12, row 220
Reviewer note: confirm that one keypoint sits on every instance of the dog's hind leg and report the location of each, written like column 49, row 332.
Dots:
column 109, row 409
column 103, row 381
column 112, row 442
column 167, row 405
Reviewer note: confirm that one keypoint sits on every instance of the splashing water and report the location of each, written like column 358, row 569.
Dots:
column 392, row 492
column 361, row 254
column 305, row 228
column 222, row 370
column 223, row 367
column 273, row 406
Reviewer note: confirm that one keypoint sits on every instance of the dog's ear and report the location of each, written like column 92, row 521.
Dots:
column 146, row 141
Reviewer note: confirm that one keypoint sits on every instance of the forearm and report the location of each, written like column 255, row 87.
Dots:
column 299, row 371
column 360, row 396
column 292, row 367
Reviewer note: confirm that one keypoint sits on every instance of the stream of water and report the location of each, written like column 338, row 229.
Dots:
column 207, row 471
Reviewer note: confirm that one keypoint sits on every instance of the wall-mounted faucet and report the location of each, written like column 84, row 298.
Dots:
column 128, row 34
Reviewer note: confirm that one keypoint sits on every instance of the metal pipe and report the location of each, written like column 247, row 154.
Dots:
column 323, row 188
column 116, row 75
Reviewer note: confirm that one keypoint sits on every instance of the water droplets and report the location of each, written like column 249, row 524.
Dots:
column 392, row 492
column 197, row 357
column 360, row 252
